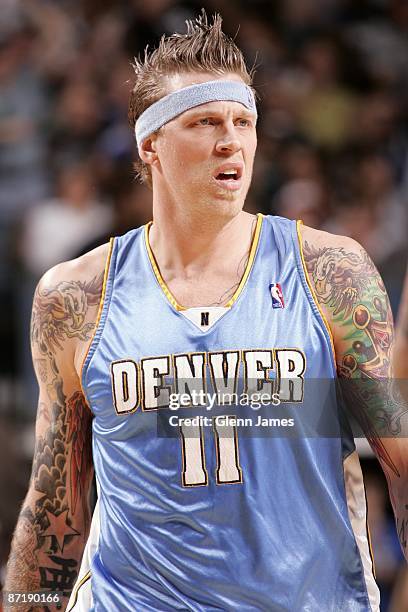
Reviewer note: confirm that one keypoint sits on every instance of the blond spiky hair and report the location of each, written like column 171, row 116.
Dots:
column 203, row 48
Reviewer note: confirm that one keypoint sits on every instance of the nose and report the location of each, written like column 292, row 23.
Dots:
column 228, row 142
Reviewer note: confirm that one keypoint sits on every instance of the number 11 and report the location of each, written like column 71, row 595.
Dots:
column 228, row 470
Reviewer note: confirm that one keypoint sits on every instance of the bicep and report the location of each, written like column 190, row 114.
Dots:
column 354, row 299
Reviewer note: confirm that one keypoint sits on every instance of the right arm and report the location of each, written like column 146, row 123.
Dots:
column 54, row 520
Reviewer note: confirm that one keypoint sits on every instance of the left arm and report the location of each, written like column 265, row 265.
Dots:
column 354, row 301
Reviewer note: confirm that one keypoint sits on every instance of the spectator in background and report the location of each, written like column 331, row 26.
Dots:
column 56, row 229
column 24, row 175
column 378, row 216
column 379, row 127
column 77, row 120
column 302, row 199
column 57, row 38
column 381, row 38
column 149, row 20
column 23, row 112
column 326, row 108
column 131, row 207
column 303, row 192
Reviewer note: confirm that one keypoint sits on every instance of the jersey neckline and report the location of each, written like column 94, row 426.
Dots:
column 248, row 268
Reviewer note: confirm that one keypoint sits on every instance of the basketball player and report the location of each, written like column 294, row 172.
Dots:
column 206, row 299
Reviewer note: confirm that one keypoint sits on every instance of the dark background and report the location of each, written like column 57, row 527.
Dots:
column 332, row 80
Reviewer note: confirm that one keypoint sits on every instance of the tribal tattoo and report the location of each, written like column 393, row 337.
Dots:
column 44, row 553
column 45, row 534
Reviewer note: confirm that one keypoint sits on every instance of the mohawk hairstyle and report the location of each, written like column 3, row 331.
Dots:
column 203, row 48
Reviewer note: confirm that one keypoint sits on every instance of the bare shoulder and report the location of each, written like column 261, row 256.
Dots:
column 66, row 304
column 318, row 239
column 335, row 263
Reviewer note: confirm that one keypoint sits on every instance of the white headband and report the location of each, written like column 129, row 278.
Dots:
column 172, row 105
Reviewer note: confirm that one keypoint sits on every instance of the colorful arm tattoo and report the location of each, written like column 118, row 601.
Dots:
column 353, row 296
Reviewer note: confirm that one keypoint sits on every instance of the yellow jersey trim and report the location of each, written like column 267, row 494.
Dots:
column 370, row 546
column 251, row 258
column 312, row 291
column 157, row 272
column 78, row 586
column 248, row 267
column 98, row 316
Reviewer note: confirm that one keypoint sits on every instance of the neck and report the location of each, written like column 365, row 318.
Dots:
column 186, row 244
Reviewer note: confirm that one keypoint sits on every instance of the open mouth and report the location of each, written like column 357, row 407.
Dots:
column 228, row 175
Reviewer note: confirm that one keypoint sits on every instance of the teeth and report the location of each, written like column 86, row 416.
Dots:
column 230, row 172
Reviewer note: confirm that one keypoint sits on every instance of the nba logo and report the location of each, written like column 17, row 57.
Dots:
column 277, row 295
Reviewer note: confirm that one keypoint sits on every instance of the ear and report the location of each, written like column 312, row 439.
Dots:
column 147, row 150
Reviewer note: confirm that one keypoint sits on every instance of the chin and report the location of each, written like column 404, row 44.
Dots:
column 226, row 207
column 225, row 195
column 219, row 202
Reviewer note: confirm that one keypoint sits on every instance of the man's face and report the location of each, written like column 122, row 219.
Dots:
column 205, row 156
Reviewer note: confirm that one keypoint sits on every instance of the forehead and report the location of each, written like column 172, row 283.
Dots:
column 173, row 82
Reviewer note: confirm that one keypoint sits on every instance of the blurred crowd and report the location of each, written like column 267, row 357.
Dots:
column 332, row 82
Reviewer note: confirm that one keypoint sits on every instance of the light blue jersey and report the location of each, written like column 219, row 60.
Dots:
column 241, row 507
